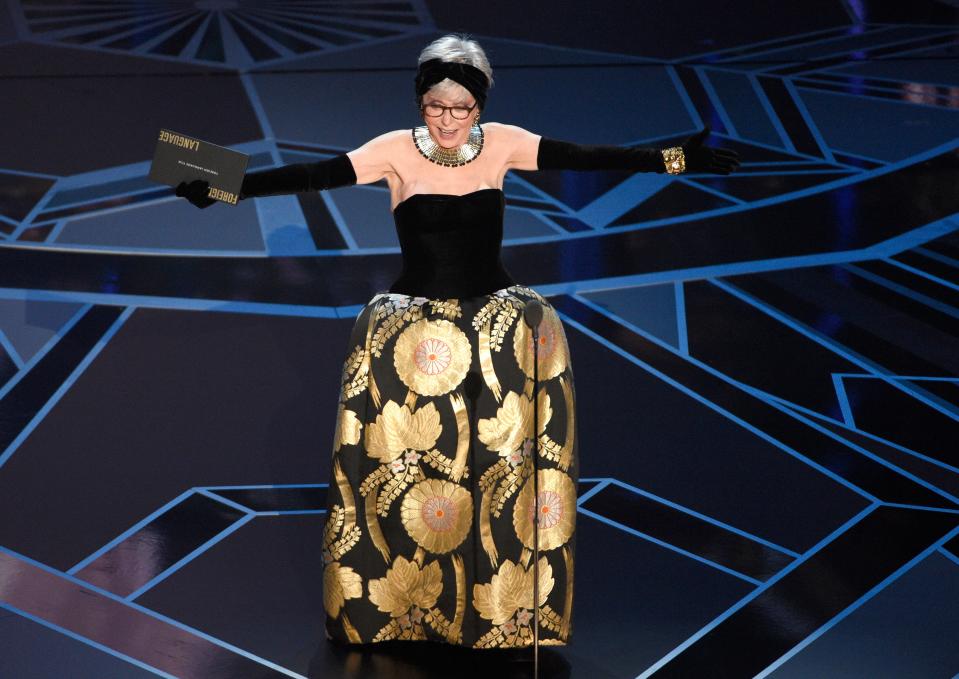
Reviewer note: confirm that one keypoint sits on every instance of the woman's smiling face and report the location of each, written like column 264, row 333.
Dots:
column 447, row 130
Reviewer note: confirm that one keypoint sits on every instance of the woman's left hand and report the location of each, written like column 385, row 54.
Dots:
column 701, row 158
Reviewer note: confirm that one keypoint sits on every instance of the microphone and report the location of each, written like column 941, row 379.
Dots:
column 533, row 316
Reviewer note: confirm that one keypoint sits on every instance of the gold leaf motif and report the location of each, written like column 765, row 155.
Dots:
column 376, row 477
column 339, row 584
column 510, row 590
column 499, row 313
column 485, row 314
column 334, row 522
column 505, row 490
column 505, row 432
column 496, row 472
column 448, row 308
column 396, row 484
column 339, row 547
column 444, row 465
column 397, row 430
column 406, row 585
column 341, row 520
column 355, row 370
column 348, row 428
column 394, row 313
column 504, row 321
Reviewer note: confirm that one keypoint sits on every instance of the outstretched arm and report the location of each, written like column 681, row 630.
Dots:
column 535, row 152
column 364, row 165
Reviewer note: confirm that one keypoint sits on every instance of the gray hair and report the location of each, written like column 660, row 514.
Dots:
column 460, row 48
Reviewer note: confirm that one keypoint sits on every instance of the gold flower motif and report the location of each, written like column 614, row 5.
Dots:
column 348, row 428
column 511, row 589
column 437, row 514
column 553, row 350
column 407, row 585
column 339, row 584
column 505, row 432
column 432, row 357
column 557, row 510
column 397, row 430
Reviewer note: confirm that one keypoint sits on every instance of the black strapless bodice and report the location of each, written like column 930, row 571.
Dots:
column 451, row 244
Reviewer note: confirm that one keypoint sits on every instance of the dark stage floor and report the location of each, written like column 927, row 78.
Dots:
column 767, row 365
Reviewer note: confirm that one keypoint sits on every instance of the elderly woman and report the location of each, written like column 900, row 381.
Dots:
column 430, row 530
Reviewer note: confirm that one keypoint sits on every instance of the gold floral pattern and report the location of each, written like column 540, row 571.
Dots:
column 339, row 584
column 437, row 514
column 510, row 590
column 430, row 462
column 407, row 585
column 348, row 428
column 409, row 593
column 513, row 422
column 509, row 434
column 432, row 356
column 340, row 535
column 397, row 430
column 557, row 510
column 552, row 352
column 507, row 602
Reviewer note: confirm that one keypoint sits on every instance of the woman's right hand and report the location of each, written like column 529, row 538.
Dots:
column 195, row 192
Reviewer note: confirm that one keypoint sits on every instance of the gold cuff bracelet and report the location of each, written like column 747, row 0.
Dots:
column 674, row 159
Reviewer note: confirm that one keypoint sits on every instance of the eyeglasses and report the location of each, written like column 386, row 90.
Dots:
column 458, row 112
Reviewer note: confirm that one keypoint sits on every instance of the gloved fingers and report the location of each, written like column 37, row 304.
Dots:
column 726, row 153
column 725, row 160
column 729, row 157
column 724, row 168
column 199, row 185
column 196, row 192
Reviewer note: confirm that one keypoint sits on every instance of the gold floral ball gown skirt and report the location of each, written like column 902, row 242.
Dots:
column 429, row 532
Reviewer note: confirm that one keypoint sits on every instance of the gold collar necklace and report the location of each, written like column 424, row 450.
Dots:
column 435, row 153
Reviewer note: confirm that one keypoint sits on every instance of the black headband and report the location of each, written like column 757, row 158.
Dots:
column 433, row 71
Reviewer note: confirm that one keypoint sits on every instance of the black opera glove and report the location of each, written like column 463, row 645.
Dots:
column 294, row 178
column 691, row 156
column 196, row 192
column 701, row 158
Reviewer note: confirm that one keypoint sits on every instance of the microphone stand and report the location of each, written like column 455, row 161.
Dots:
column 533, row 316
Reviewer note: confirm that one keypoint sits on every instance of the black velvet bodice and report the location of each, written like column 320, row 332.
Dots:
column 451, row 244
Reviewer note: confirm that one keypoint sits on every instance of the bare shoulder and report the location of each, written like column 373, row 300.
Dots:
column 507, row 132
column 519, row 144
column 384, row 141
column 376, row 159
